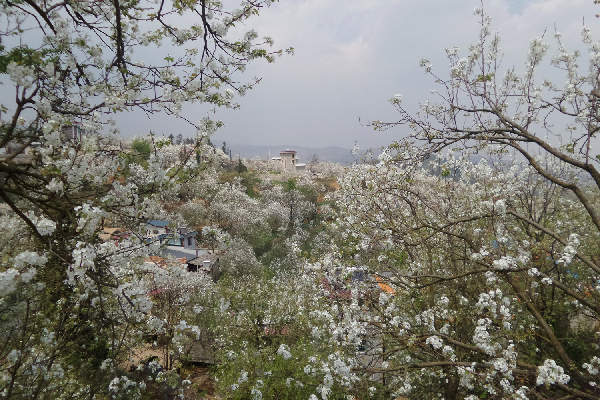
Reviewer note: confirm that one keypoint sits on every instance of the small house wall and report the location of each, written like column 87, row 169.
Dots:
column 189, row 242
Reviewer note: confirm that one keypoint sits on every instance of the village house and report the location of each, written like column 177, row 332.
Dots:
column 207, row 263
column 181, row 237
column 179, row 243
column 155, row 228
column 75, row 131
column 159, row 230
column 289, row 161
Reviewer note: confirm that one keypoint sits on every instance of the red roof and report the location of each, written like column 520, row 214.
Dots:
column 383, row 286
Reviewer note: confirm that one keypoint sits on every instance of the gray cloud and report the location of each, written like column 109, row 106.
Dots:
column 353, row 55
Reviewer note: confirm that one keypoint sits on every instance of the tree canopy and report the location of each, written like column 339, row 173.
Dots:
column 463, row 263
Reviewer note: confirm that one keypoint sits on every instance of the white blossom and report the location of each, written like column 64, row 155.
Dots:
column 551, row 373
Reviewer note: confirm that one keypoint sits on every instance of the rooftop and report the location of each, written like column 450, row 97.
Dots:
column 204, row 257
column 158, row 223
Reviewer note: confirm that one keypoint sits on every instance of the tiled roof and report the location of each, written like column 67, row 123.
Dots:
column 158, row 223
column 383, row 286
column 204, row 257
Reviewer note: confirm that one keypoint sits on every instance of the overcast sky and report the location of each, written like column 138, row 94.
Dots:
column 352, row 56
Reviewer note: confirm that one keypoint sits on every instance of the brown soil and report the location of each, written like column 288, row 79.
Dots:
column 332, row 185
column 202, row 386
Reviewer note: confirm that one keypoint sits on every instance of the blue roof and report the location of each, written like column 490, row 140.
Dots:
column 158, row 223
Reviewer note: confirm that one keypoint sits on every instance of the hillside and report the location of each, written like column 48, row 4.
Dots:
column 334, row 154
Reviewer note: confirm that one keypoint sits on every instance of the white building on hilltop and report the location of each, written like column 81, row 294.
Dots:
column 289, row 161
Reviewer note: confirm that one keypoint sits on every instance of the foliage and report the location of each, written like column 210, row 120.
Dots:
column 238, row 259
column 429, row 273
column 489, row 266
column 175, row 294
column 267, row 340
column 240, row 167
column 141, row 150
column 74, row 310
column 445, row 277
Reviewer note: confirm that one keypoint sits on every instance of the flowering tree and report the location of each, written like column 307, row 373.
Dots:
column 234, row 209
column 488, row 272
column 266, row 339
column 452, row 278
column 193, row 213
column 271, row 166
column 73, row 308
column 327, row 170
column 175, row 293
column 238, row 259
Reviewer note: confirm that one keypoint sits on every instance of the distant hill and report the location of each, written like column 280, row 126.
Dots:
column 334, row 154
